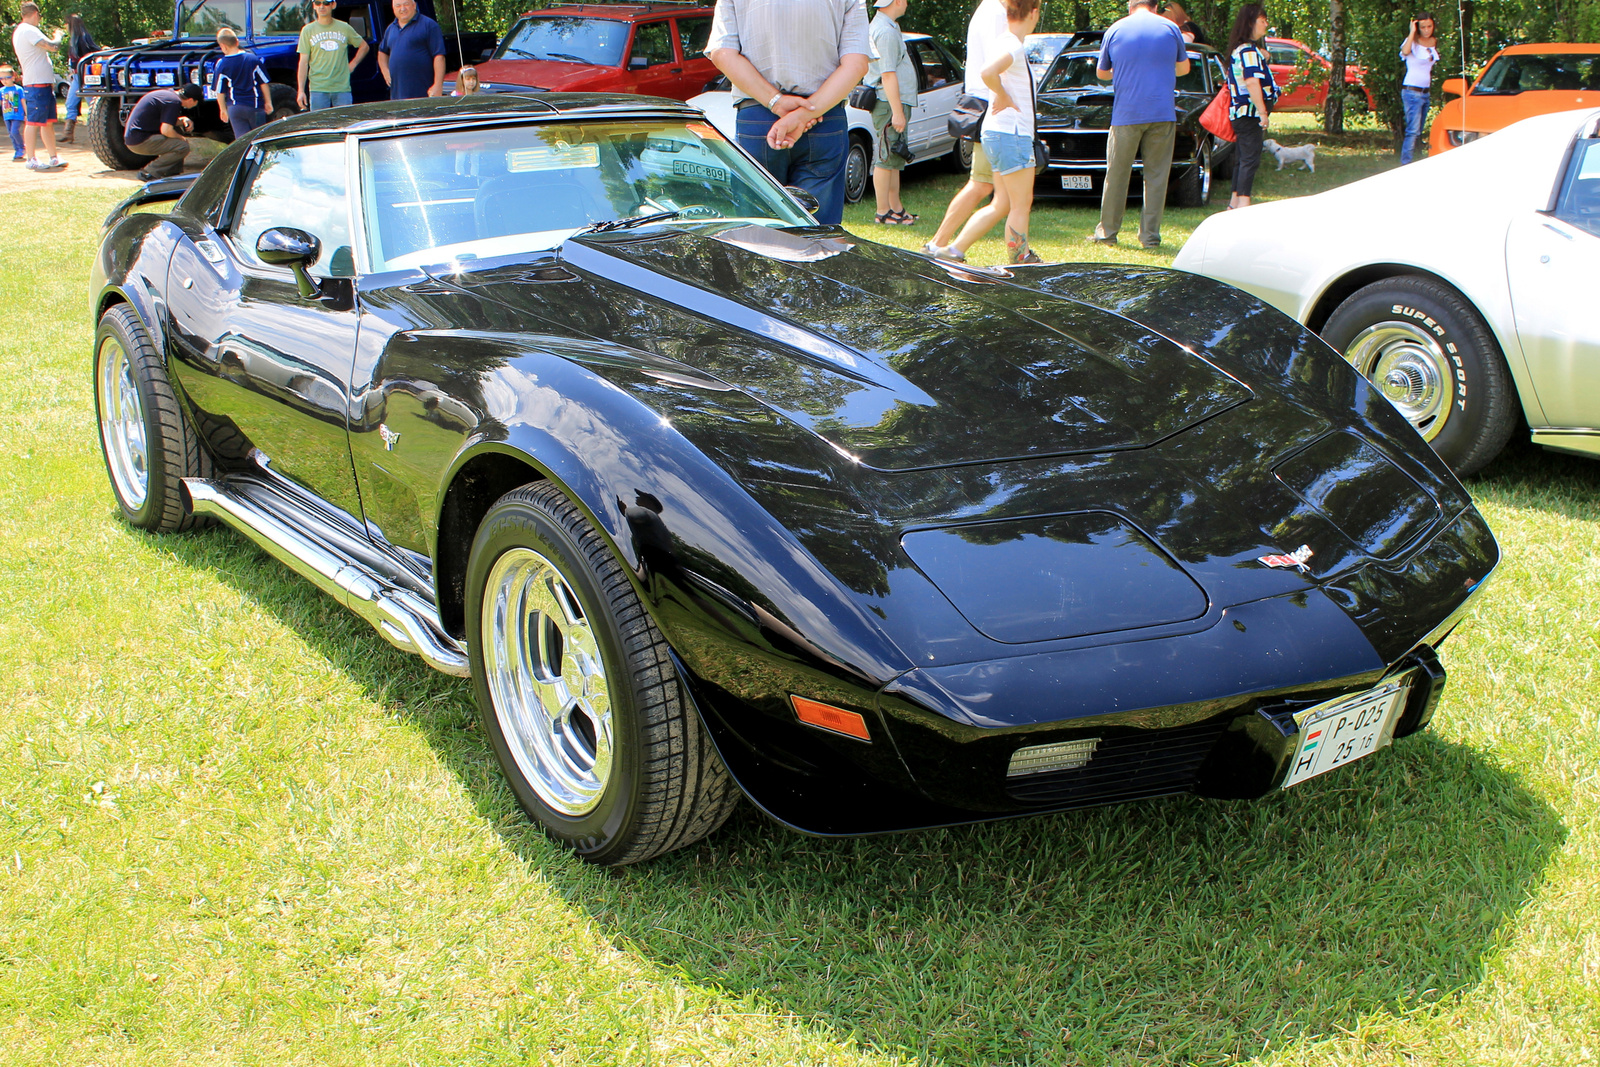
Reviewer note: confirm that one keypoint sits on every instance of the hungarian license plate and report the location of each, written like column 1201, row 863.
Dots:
column 1344, row 730
column 91, row 79
column 1075, row 181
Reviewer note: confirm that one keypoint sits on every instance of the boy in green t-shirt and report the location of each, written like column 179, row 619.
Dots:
column 325, row 61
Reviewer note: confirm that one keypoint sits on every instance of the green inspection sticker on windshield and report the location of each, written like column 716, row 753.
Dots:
column 557, row 156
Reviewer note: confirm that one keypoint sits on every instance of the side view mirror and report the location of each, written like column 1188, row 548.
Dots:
column 807, row 200
column 283, row 246
column 638, row 62
column 1454, row 87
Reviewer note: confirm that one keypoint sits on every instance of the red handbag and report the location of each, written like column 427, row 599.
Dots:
column 1215, row 116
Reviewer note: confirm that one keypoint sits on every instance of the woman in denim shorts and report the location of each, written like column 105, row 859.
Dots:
column 1008, row 138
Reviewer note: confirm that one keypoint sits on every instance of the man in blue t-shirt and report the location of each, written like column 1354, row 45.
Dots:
column 1142, row 56
column 240, row 86
column 411, row 54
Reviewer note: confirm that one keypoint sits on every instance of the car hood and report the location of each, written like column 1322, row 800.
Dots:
column 895, row 360
column 1492, row 111
column 541, row 74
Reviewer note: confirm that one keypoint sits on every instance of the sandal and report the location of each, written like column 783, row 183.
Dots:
column 895, row 217
column 904, row 217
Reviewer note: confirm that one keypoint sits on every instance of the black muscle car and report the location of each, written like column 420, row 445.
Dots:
column 1074, row 121
column 565, row 394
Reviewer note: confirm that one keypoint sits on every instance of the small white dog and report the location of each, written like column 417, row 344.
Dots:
column 1305, row 153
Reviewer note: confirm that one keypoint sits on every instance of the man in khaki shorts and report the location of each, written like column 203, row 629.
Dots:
column 987, row 24
column 891, row 73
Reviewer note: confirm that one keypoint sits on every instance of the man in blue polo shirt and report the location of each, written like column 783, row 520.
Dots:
column 1142, row 56
column 411, row 54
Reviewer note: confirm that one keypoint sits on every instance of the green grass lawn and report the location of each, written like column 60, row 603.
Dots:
column 236, row 827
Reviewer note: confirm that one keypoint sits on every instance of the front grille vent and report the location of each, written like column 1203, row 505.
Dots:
column 1147, row 763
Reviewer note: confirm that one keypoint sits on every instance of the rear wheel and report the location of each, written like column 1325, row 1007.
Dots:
column 960, row 156
column 857, row 168
column 1436, row 361
column 104, row 120
column 149, row 446
column 579, row 698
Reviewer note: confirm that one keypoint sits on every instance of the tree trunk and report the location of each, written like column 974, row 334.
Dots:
column 1333, row 106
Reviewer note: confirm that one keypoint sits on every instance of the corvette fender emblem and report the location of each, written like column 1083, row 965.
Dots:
column 1296, row 559
column 389, row 437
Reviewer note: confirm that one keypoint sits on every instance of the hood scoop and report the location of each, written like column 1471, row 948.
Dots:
column 895, row 362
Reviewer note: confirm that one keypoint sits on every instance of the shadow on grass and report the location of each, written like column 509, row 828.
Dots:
column 1525, row 475
column 1170, row 931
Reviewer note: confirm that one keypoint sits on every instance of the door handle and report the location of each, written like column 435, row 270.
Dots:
column 677, row 70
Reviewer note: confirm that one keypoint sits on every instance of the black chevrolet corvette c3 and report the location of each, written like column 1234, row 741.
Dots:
column 563, row 393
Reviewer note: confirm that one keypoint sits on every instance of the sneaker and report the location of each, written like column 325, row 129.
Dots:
column 57, row 163
column 1095, row 238
column 146, row 176
column 19, row 159
column 34, row 164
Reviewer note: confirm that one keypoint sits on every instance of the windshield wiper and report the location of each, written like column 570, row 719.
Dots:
column 520, row 52
column 273, row 10
column 568, row 56
column 628, row 224
column 193, row 11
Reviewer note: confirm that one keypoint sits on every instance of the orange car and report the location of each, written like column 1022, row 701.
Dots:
column 1523, row 80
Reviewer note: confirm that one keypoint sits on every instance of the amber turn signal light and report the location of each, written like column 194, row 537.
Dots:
column 828, row 717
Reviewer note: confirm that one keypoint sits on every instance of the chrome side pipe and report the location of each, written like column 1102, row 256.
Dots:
column 387, row 598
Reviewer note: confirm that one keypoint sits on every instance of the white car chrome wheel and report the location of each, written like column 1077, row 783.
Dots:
column 1410, row 368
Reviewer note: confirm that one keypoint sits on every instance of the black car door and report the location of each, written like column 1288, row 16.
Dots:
column 264, row 367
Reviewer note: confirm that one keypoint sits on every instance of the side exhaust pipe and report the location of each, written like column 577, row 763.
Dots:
column 326, row 556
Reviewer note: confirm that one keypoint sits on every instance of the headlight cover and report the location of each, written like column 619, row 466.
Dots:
column 1055, row 576
column 1460, row 137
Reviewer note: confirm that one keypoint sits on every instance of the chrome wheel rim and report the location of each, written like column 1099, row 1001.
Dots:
column 1205, row 174
column 122, row 426
column 547, row 681
column 1410, row 368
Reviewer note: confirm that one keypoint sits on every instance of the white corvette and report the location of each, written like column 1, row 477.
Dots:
column 1462, row 284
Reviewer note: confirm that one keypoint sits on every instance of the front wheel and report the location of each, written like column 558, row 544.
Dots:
column 576, row 691
column 105, row 123
column 857, row 168
column 1436, row 361
column 960, row 156
column 149, row 446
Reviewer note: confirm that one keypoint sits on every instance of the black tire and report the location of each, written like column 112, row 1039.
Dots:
column 857, row 168
column 1193, row 189
column 148, row 445
column 960, row 157
column 1222, row 160
column 654, row 782
column 284, row 101
column 104, row 120
column 1427, row 348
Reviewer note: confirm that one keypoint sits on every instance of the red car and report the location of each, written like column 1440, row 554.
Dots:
column 656, row 50
column 1302, row 74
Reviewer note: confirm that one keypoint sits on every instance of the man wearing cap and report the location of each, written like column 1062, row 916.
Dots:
column 157, row 126
column 33, row 50
column 792, row 63
column 891, row 73
column 325, row 60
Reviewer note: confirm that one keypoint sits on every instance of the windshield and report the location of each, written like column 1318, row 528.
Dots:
column 566, row 39
column 203, row 18
column 1078, row 72
column 1567, row 72
column 473, row 194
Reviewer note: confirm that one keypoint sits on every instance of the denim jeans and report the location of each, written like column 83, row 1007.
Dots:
column 815, row 162
column 72, row 97
column 1416, row 105
column 320, row 101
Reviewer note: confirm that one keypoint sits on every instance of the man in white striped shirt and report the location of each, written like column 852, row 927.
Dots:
column 792, row 63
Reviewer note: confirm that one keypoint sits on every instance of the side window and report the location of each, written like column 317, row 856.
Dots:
column 302, row 186
column 652, row 45
column 1580, row 194
column 1195, row 80
column 935, row 71
column 1218, row 77
column 694, row 35
column 1283, row 55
